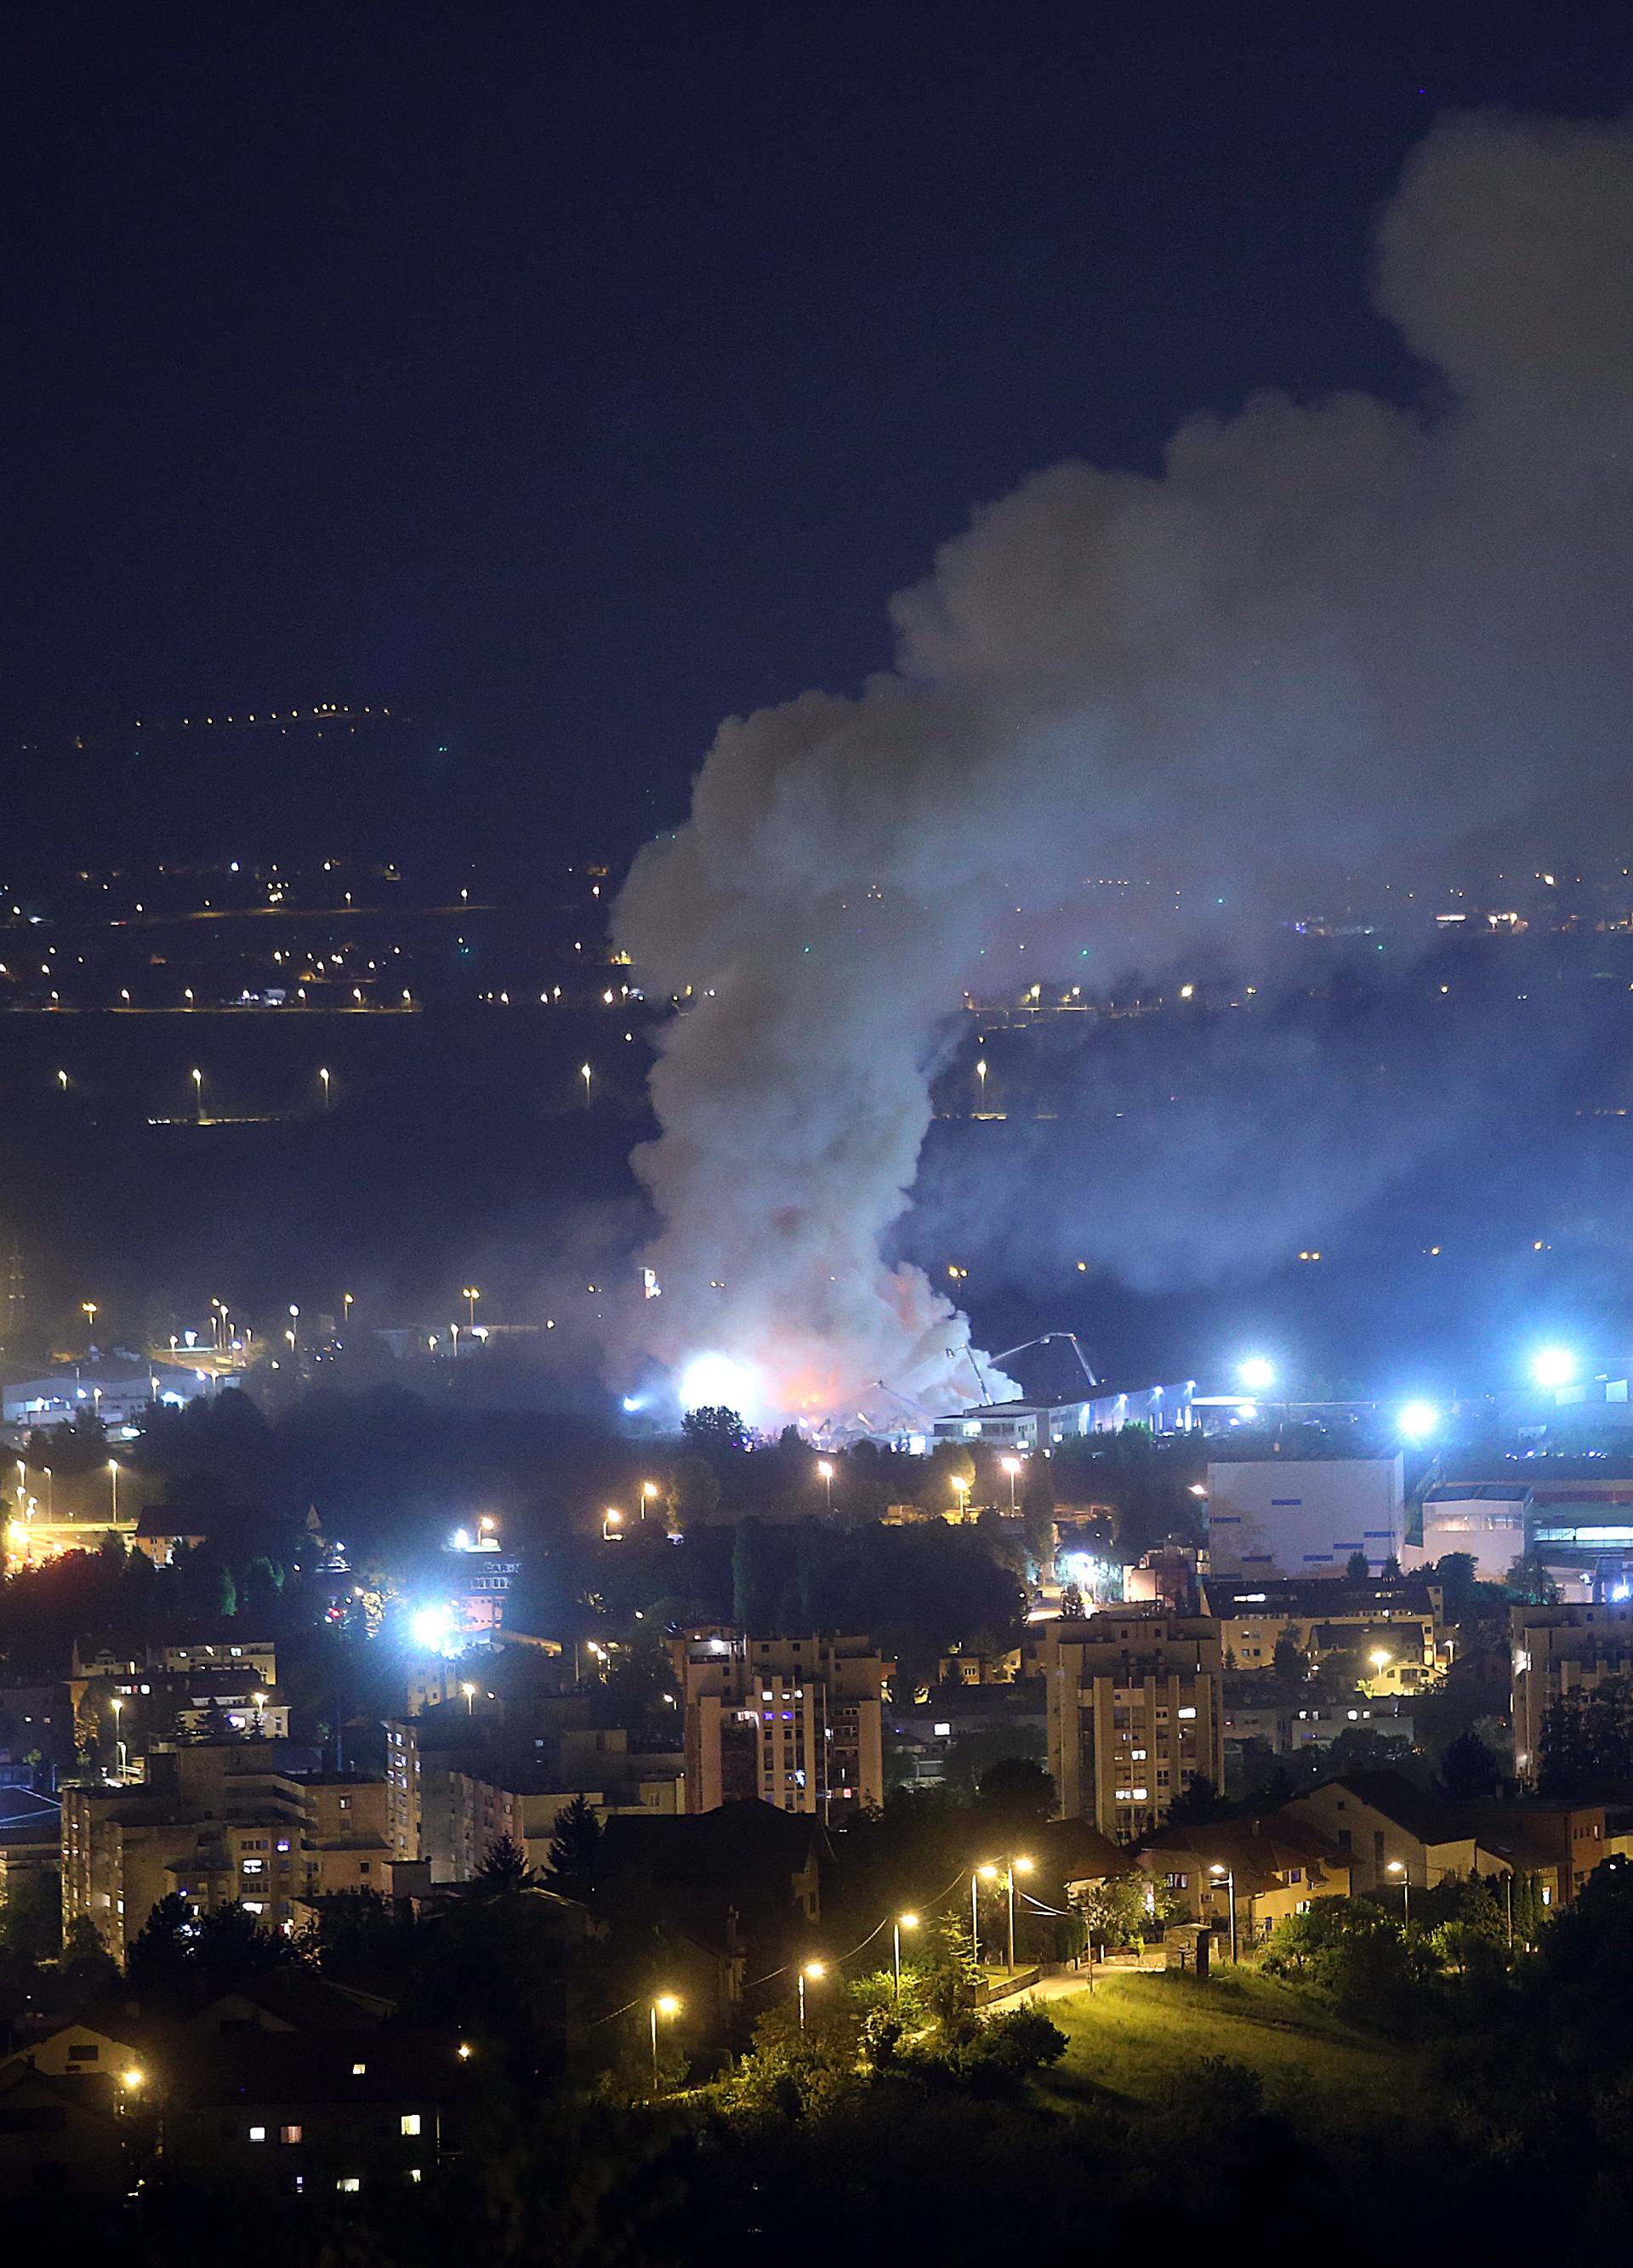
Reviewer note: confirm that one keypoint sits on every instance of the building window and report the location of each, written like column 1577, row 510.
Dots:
column 257, row 2133
column 410, row 2121
column 289, row 2133
column 348, row 2184
column 358, row 2070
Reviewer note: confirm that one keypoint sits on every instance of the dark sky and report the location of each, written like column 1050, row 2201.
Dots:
column 572, row 376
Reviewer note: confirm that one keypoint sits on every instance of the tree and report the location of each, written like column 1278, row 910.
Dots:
column 1198, row 1804
column 715, row 1429
column 694, row 1488
column 569, row 1863
column 1529, row 1582
column 232, row 1947
column 756, row 1576
column 1356, row 1568
column 1014, row 1798
column 1468, row 1770
column 31, row 1917
column 504, row 1870
column 161, row 1958
column 1115, row 1911
column 948, row 1977
column 1587, row 1737
column 1289, row 1663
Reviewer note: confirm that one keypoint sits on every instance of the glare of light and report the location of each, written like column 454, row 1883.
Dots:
column 816, row 1970
column 1378, row 1658
column 825, row 1470
column 715, row 1382
column 1011, row 1465
column 133, row 2078
column 432, row 1628
column 666, row 2005
column 1554, row 1367
column 908, row 1920
column 1256, row 1374
column 1419, row 1418
column 631, row 1404
column 1197, row 1489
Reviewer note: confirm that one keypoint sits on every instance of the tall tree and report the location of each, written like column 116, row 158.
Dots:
column 570, row 1862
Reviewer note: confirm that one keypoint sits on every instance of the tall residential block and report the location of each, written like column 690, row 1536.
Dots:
column 1135, row 1715
column 795, row 1722
column 1558, row 1651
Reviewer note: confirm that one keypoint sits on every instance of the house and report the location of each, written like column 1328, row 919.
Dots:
column 60, row 2135
column 1381, row 1819
column 163, row 1532
column 1271, row 1867
column 303, row 2112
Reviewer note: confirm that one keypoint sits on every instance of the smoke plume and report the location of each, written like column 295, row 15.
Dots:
column 1330, row 638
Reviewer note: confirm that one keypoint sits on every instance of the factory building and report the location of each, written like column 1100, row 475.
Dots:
column 1045, row 1424
column 795, row 1722
column 1285, row 1516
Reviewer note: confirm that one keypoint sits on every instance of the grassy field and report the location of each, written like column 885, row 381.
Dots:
column 1134, row 2031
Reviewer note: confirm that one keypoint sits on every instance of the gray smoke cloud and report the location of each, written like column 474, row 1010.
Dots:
column 1327, row 636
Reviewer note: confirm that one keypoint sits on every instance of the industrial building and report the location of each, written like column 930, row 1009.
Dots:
column 1135, row 1715
column 1280, row 1516
column 1022, row 1424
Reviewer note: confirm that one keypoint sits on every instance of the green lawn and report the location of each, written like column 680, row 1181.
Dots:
column 1319, row 2074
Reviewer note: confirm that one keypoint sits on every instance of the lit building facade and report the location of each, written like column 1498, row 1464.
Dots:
column 795, row 1722
column 1135, row 1715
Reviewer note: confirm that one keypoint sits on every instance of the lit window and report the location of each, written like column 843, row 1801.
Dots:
column 1188, row 1712
column 289, row 2133
column 348, row 2184
column 410, row 2121
column 257, row 2133
column 414, row 2174
column 358, row 2070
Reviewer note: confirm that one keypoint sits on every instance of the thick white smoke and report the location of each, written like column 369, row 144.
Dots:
column 1325, row 637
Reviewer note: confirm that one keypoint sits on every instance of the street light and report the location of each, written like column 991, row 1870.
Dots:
column 197, row 1078
column 585, row 1074
column 470, row 1691
column 665, row 2006
column 116, row 1703
column 816, row 1970
column 113, row 1474
column 50, row 1493
column 470, row 1295
column 294, row 1317
column 650, row 1494
column 990, row 1873
column 961, row 1489
column 1012, row 1466
column 1398, row 1866
column 346, row 1299
column 825, row 1473
column 902, row 1922
column 324, row 1077
column 981, row 1074
column 612, row 1525
column 1257, row 1375
column 1227, row 1876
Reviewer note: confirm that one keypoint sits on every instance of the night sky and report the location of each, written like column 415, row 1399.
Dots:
column 571, row 377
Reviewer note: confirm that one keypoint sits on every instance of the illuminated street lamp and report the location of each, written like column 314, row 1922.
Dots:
column 825, row 1474
column 1228, row 1878
column 585, row 1074
column 990, row 1873
column 665, row 2006
column 902, row 1922
column 816, row 1970
column 197, row 1078
column 470, row 1295
column 470, row 1691
column 116, row 1703
column 324, row 1078
column 1012, row 1466
column 294, row 1330
column 1398, row 1866
column 87, row 1308
column 612, row 1525
column 50, row 1493
column 650, row 1494
column 113, row 1474
column 981, row 1074
column 961, row 1490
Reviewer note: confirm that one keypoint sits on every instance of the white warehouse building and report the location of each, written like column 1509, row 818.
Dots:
column 1283, row 1516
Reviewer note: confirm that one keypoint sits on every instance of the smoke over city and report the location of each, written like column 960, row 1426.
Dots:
column 1329, row 639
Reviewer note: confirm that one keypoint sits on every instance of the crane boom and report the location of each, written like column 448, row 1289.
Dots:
column 1044, row 1339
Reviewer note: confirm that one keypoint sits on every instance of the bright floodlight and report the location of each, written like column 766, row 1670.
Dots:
column 1419, row 1418
column 1256, row 1374
column 1554, row 1367
column 432, row 1627
column 711, row 1381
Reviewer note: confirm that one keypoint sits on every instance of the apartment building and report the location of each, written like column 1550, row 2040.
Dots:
column 1556, row 1652
column 795, row 1722
column 1394, row 1632
column 219, row 1825
column 1135, row 1715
